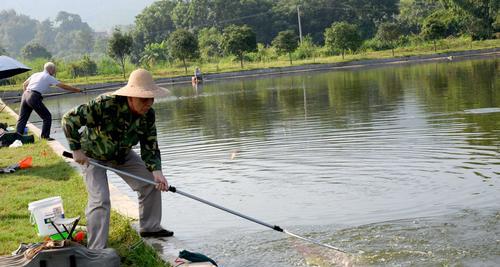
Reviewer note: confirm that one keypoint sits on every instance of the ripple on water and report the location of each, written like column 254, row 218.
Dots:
column 467, row 238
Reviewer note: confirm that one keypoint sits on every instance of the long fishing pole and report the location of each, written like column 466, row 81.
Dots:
column 85, row 91
column 175, row 190
column 56, row 94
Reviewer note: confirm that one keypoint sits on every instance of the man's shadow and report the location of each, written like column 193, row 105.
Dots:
column 59, row 171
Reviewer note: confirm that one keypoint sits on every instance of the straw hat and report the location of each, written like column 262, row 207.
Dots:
column 141, row 84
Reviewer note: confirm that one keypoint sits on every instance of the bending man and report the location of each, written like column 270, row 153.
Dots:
column 34, row 88
column 113, row 125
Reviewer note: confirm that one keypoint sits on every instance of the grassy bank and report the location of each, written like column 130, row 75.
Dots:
column 111, row 73
column 51, row 176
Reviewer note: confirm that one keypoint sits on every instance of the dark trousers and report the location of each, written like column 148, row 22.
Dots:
column 30, row 101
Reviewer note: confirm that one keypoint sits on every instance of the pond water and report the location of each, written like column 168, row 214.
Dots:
column 397, row 165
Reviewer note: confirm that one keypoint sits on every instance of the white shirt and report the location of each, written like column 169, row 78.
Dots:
column 41, row 82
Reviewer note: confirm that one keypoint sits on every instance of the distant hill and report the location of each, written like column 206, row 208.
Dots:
column 67, row 37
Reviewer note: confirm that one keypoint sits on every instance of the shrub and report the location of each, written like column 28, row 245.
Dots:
column 107, row 66
column 306, row 49
column 35, row 50
column 85, row 67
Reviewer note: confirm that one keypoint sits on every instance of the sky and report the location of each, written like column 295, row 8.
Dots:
column 101, row 15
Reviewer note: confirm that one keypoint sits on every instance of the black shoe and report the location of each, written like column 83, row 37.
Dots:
column 161, row 233
column 48, row 138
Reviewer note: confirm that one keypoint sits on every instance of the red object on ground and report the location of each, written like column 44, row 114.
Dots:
column 23, row 164
column 26, row 163
column 79, row 236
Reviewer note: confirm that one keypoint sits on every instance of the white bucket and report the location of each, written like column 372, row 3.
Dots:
column 42, row 211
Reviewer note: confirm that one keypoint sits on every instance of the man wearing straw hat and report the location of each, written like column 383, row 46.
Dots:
column 114, row 124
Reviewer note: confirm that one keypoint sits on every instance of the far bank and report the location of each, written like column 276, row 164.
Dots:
column 490, row 48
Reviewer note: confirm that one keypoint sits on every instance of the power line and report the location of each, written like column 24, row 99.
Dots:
column 270, row 12
column 241, row 18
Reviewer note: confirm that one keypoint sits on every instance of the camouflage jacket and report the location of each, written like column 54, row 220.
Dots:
column 112, row 130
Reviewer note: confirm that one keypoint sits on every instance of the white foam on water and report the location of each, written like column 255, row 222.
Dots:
column 482, row 110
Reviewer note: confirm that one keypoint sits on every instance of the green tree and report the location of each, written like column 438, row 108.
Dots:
column 119, row 47
column 73, row 37
column 306, row 48
column 343, row 36
column 181, row 16
column 257, row 14
column 183, row 45
column 84, row 67
column 286, row 42
column 317, row 15
column 89, row 66
column 496, row 23
column 483, row 14
column 100, row 47
column 368, row 13
column 66, row 37
column 69, row 22
column 238, row 40
column 389, row 34
column 45, row 34
column 153, row 53
column 263, row 53
column 153, row 25
column 16, row 30
column 193, row 14
column 2, row 51
column 412, row 14
column 433, row 29
column 454, row 21
column 209, row 43
column 35, row 50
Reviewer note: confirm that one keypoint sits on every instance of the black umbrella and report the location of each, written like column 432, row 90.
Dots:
column 10, row 67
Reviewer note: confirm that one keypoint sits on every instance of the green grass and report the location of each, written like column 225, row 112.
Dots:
column 110, row 72
column 229, row 65
column 51, row 176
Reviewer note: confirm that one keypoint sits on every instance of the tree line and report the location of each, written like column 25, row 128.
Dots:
column 207, row 30
column 67, row 36
column 187, row 30
column 439, row 18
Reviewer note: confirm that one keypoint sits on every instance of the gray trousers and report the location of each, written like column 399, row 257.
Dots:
column 99, row 205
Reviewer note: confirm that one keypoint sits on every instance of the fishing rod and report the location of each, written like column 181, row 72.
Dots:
column 84, row 91
column 175, row 190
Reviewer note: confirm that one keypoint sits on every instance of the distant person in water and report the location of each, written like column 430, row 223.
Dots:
column 198, row 77
column 34, row 87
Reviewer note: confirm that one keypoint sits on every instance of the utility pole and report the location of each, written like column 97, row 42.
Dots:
column 300, row 26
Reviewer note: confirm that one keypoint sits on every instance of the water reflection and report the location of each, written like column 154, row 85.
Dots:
column 331, row 150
